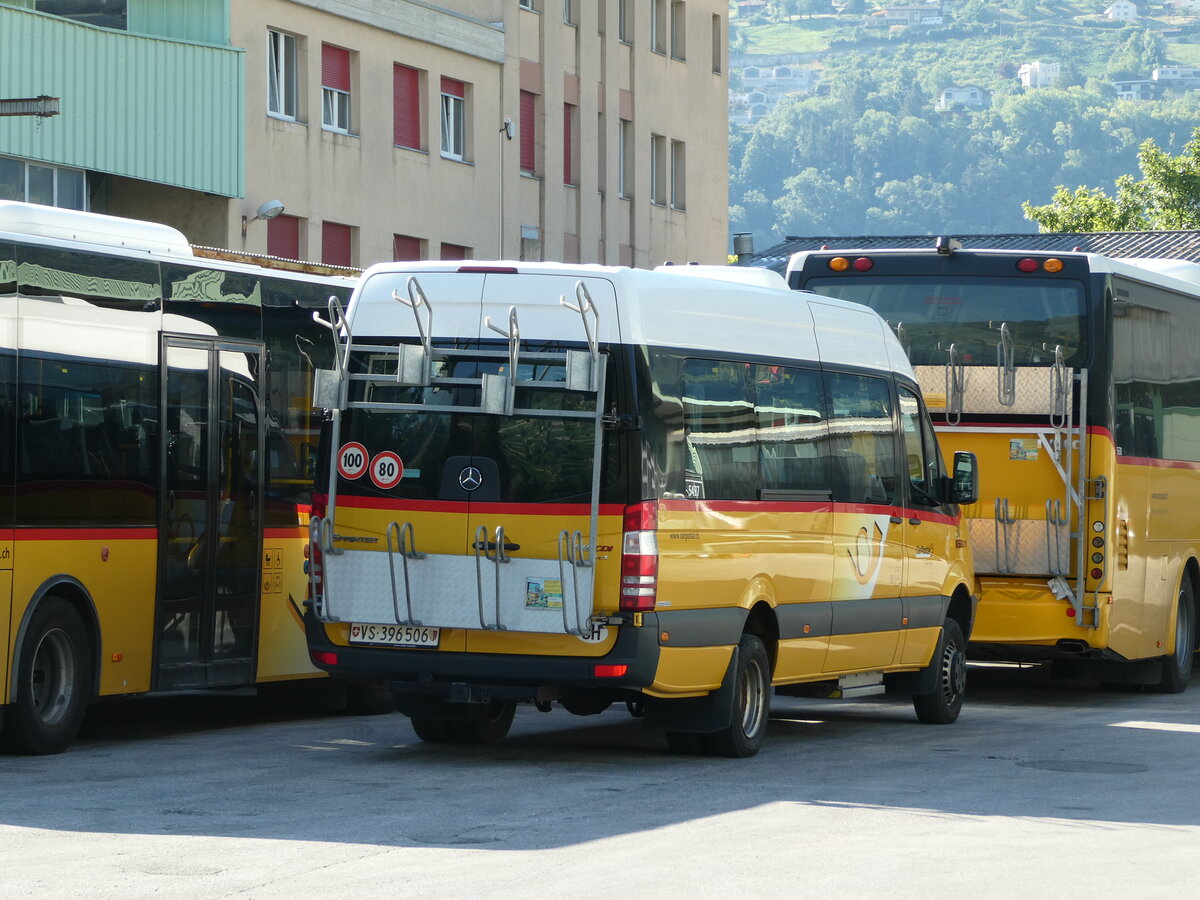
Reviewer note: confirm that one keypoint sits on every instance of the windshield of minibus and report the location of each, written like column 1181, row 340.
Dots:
column 931, row 313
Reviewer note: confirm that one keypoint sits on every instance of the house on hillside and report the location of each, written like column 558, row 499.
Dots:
column 1038, row 74
column 1137, row 90
column 1122, row 11
column 970, row 96
column 1185, row 5
column 926, row 14
column 747, row 8
column 1177, row 75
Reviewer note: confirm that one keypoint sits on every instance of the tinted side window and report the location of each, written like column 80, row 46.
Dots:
column 862, row 439
column 792, row 431
column 86, row 450
column 924, row 462
column 719, row 428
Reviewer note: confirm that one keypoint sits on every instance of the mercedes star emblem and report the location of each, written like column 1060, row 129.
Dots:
column 470, row 478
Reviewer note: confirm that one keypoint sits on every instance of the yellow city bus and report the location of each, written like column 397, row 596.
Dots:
column 587, row 485
column 157, row 445
column 1076, row 380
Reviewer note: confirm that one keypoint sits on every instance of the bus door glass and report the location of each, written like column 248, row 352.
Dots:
column 8, row 419
column 211, row 513
column 868, row 526
column 928, row 533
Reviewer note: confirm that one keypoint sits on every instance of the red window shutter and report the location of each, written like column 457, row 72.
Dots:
column 283, row 237
column 406, row 107
column 453, row 251
column 405, row 247
column 335, row 244
column 528, row 107
column 335, row 68
column 454, row 88
column 568, row 119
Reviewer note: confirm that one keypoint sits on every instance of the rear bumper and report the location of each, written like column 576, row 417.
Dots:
column 636, row 648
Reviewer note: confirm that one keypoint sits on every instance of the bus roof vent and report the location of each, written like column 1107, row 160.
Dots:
column 91, row 228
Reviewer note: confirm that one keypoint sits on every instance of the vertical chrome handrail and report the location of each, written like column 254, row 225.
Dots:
column 564, row 556
column 500, row 558
column 1059, row 390
column 956, row 386
column 1006, row 369
column 480, row 546
column 395, row 527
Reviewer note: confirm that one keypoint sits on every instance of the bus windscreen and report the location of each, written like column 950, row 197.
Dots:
column 930, row 313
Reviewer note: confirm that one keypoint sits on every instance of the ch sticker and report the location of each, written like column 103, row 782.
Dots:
column 867, row 554
column 386, row 470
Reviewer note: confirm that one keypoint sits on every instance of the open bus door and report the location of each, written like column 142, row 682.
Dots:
column 210, row 513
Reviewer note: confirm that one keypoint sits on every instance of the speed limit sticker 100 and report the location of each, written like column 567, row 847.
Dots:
column 352, row 460
column 386, row 470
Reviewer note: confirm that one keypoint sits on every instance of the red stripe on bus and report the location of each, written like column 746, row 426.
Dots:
column 460, row 506
column 1157, row 463
column 276, row 533
column 808, row 506
column 85, row 534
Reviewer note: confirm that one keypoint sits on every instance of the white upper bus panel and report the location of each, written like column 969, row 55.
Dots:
column 682, row 307
column 30, row 219
column 755, row 275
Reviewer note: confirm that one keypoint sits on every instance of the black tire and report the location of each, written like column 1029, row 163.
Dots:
column 1177, row 666
column 488, row 726
column 942, row 705
column 53, row 681
column 751, row 703
column 432, row 731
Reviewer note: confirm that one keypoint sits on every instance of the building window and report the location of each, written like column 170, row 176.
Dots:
column 570, row 141
column 283, row 237
column 454, row 119
column 455, row 251
column 717, row 43
column 601, row 157
column 570, row 14
column 658, row 169
column 406, row 107
column 528, row 129
column 625, row 159
column 335, row 88
column 335, row 244
column 282, row 85
column 104, row 13
column 623, row 29
column 47, row 185
column 678, row 29
column 658, row 26
column 530, row 5
column 678, row 176
column 406, row 248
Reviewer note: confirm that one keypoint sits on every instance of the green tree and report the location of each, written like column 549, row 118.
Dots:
column 1167, row 196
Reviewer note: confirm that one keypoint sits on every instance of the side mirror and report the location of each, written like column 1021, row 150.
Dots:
column 964, row 485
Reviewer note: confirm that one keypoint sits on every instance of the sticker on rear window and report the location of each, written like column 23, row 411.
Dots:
column 386, row 470
column 352, row 460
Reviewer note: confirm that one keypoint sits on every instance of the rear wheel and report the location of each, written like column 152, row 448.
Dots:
column 432, row 731
column 489, row 725
column 751, row 703
column 942, row 705
column 1177, row 667
column 53, row 681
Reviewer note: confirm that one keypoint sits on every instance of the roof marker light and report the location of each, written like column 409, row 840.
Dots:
column 1053, row 265
column 839, row 264
column 490, row 270
column 863, row 264
column 1028, row 264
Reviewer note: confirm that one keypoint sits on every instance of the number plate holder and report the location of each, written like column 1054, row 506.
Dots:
column 394, row 635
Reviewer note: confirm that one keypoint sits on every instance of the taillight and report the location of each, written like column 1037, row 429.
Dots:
column 639, row 558
column 323, row 658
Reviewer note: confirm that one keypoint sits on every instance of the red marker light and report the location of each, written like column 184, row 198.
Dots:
column 1070, row 612
column 863, row 264
column 324, row 658
column 1097, row 574
column 607, row 671
column 489, row 270
column 1027, row 265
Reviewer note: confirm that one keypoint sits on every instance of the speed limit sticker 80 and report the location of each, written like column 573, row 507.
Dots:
column 352, row 460
column 386, row 470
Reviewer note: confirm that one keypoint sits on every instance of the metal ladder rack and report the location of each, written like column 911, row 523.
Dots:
column 406, row 587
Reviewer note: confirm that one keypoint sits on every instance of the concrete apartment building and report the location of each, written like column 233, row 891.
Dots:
column 578, row 130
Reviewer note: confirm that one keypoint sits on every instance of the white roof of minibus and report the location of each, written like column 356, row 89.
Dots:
column 672, row 306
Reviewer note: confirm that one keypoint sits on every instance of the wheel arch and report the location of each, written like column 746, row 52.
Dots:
column 962, row 609
column 761, row 621
column 73, row 592
column 1191, row 571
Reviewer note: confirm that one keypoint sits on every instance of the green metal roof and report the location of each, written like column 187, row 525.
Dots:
column 146, row 107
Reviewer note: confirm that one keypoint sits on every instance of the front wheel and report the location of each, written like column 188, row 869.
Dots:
column 53, row 681
column 942, row 705
column 751, row 703
column 1177, row 667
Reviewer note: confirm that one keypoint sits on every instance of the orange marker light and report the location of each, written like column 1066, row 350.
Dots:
column 839, row 264
column 1053, row 265
column 118, row 656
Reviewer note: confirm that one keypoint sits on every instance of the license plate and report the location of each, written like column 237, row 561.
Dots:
column 394, row 635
